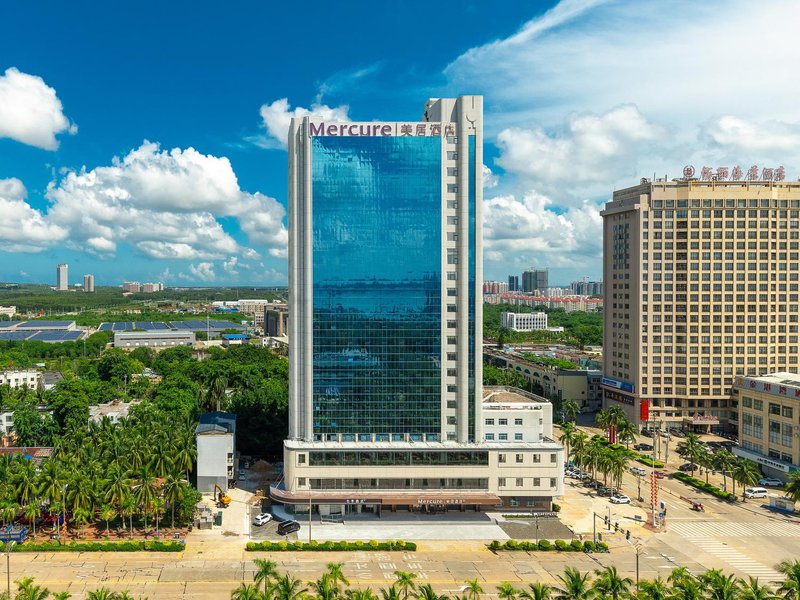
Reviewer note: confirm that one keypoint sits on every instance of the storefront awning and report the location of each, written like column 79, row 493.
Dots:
column 386, row 498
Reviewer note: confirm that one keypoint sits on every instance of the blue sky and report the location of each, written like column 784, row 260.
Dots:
column 144, row 142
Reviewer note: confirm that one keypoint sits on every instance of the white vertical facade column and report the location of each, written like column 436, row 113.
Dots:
column 308, row 294
column 294, row 313
column 462, row 297
column 475, row 114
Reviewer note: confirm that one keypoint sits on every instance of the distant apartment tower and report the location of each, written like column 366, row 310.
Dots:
column 513, row 283
column 131, row 286
column 88, row 284
column 587, row 288
column 701, row 287
column 62, row 277
column 534, row 279
column 150, row 288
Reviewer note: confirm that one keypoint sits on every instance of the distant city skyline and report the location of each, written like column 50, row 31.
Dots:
column 176, row 168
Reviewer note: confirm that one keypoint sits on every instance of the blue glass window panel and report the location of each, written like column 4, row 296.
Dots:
column 377, row 284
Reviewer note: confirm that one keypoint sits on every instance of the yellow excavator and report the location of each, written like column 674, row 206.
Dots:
column 223, row 500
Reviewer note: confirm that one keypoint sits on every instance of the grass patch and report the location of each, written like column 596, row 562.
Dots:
column 704, row 487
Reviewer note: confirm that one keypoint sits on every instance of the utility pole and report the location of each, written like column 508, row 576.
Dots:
column 8, row 548
column 309, row 513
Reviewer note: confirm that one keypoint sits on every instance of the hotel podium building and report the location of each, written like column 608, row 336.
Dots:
column 701, row 287
column 385, row 360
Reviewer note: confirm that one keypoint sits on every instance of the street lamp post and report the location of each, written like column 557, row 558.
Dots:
column 8, row 548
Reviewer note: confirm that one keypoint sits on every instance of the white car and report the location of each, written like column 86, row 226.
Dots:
column 638, row 471
column 262, row 519
column 770, row 482
column 621, row 499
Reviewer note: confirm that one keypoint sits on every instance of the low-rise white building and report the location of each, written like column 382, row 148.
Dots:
column 20, row 378
column 345, row 476
column 532, row 321
column 216, row 451
column 157, row 338
column 516, row 416
column 8, row 311
column 114, row 411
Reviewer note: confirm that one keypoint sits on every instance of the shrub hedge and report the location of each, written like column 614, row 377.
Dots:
column 703, row 486
column 329, row 546
column 130, row 546
column 656, row 464
column 547, row 546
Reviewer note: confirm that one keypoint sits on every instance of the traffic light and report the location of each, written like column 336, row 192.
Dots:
column 628, row 535
column 605, row 519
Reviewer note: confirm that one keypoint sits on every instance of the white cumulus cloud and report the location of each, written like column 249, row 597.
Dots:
column 166, row 204
column 23, row 228
column 277, row 116
column 30, row 111
column 203, row 271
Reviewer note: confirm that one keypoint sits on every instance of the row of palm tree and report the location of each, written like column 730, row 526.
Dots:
column 138, row 467
column 571, row 585
column 595, row 454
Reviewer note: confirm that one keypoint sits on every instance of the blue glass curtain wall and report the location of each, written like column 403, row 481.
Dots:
column 376, row 284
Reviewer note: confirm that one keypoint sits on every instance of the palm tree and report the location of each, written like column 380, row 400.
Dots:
column 24, row 481
column 390, row 594
column 568, row 433
column 426, row 592
column 365, row 594
column 102, row 593
column 720, row 586
column 324, row 588
column 27, row 590
column 32, row 511
column 705, row 458
column 266, row 571
column 81, row 516
column 574, row 586
column 506, row 591
column 65, row 595
column 790, row 588
column 8, row 511
column 174, row 490
column 579, row 444
column 690, row 448
column 746, row 472
column 657, row 589
column 752, row 590
column 724, row 461
column 626, row 432
column 246, row 591
column 792, row 488
column 473, row 589
column 127, row 509
column 145, row 491
column 405, row 581
column 336, row 574
column 537, row 591
column 289, row 588
column 107, row 513
column 610, row 584
column 571, row 409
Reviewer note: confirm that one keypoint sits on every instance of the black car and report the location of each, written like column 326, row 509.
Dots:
column 688, row 467
column 643, row 447
column 647, row 433
column 288, row 527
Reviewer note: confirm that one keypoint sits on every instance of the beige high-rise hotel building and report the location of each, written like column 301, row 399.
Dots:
column 701, row 285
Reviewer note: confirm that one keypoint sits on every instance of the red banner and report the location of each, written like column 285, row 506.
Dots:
column 644, row 410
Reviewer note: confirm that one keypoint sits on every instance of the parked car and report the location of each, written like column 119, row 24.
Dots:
column 677, row 432
column 242, row 476
column 665, row 434
column 647, row 433
column 620, row 499
column 770, row 482
column 607, row 491
column 288, row 527
column 638, row 471
column 756, row 492
column 688, row 467
column 262, row 519
column 660, row 474
column 643, row 447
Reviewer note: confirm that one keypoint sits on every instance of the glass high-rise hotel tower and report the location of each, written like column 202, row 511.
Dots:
column 385, row 275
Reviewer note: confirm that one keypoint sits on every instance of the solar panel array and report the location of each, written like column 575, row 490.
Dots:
column 14, row 336
column 45, row 324
column 39, row 331
column 192, row 325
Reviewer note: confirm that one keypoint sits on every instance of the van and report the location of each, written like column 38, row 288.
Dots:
column 288, row 527
column 756, row 492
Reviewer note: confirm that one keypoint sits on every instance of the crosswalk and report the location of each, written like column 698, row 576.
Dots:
column 722, row 529
column 737, row 560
